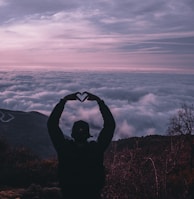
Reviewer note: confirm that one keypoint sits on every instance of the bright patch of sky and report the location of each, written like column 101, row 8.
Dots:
column 98, row 34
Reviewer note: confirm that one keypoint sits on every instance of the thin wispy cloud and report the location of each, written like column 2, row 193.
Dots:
column 55, row 33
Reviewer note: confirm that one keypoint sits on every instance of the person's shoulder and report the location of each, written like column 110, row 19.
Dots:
column 69, row 142
column 94, row 145
column 92, row 142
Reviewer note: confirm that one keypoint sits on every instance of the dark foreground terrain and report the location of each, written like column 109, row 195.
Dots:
column 138, row 168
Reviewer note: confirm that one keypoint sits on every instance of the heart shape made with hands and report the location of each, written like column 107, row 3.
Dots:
column 82, row 96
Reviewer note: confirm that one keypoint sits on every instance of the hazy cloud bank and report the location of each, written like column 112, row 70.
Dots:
column 141, row 103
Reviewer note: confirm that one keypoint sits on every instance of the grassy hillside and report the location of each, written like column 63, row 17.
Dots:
column 139, row 168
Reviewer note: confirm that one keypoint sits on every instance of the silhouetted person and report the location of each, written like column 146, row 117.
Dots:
column 80, row 163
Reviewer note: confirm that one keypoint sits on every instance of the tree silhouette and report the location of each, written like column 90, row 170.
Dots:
column 182, row 123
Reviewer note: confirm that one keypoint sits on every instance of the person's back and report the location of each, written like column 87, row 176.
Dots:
column 81, row 170
column 80, row 163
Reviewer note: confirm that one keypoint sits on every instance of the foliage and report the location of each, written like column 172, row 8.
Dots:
column 20, row 167
column 182, row 122
column 147, row 167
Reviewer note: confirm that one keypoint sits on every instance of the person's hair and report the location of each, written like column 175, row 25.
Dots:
column 80, row 131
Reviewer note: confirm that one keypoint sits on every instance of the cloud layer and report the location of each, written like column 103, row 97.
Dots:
column 140, row 102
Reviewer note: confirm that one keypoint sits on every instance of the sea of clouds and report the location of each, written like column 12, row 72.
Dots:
column 141, row 103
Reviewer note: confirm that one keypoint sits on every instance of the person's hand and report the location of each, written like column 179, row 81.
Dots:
column 72, row 96
column 92, row 97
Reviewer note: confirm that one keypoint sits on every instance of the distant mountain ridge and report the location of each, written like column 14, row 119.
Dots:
column 26, row 129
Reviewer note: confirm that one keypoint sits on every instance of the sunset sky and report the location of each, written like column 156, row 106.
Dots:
column 135, row 35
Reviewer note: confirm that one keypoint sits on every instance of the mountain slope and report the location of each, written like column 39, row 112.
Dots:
column 26, row 129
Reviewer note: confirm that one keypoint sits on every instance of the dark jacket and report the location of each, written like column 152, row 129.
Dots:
column 80, row 166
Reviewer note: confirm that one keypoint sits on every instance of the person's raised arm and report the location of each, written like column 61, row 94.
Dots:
column 108, row 129
column 54, row 130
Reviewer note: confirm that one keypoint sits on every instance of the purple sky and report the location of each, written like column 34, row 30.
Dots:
column 98, row 34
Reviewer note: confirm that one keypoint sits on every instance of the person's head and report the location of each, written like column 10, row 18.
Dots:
column 80, row 131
